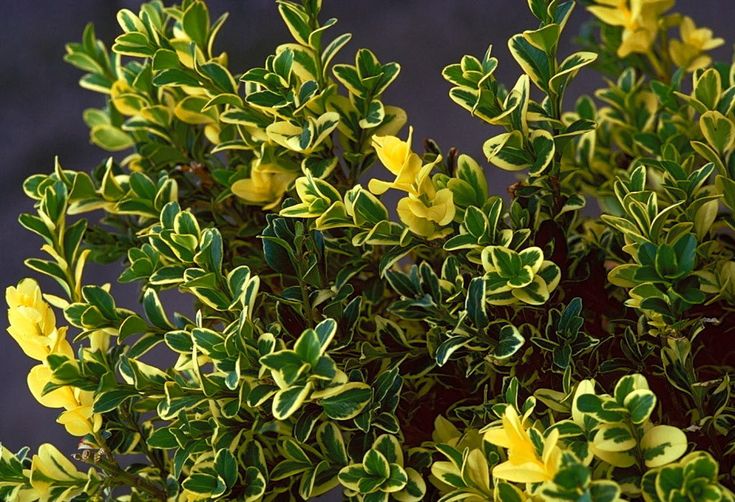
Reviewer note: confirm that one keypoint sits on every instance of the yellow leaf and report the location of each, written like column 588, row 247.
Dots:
column 189, row 111
column 584, row 387
column 476, row 471
column 52, row 464
column 614, row 458
column 663, row 444
column 614, row 438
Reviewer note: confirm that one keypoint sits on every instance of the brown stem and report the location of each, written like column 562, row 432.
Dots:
column 120, row 476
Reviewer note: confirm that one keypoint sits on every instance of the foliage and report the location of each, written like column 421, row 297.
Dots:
column 461, row 347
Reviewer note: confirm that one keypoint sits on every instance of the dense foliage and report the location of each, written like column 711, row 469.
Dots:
column 465, row 346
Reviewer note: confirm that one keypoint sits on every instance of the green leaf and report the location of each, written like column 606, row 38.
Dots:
column 396, row 481
column 510, row 341
column 347, row 75
column 288, row 468
column 532, row 60
column 708, row 88
column 375, row 464
column 628, row 384
column 566, row 428
column 448, row 347
column 589, row 403
column 325, row 332
column 332, row 444
column 277, row 251
column 205, row 484
column 415, row 488
column 345, row 401
column 469, row 171
column 225, row 464
column 286, row 362
column 51, row 269
column 718, row 130
column 333, row 48
column 255, row 484
column 308, row 347
column 568, row 69
column 614, row 437
column 535, row 293
column 507, row 152
column 507, row 262
column 283, row 64
column 112, row 399
column 605, row 491
column 366, row 208
column 134, row 44
column 154, row 310
column 685, row 249
column 544, row 39
column 286, row 402
column 374, row 116
column 475, row 303
column 394, row 255
column 296, row 20
column 175, row 77
column 101, row 299
column 475, row 222
column 128, row 21
column 36, row 225
column 307, row 485
column 162, row 438
column 352, row 475
column 640, row 403
column 110, row 138
column 543, row 146
column 460, row 241
column 532, row 257
column 522, row 278
column 506, row 492
column 196, row 23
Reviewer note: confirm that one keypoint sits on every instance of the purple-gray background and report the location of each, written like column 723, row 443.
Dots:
column 41, row 107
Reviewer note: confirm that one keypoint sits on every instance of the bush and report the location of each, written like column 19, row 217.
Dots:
column 465, row 347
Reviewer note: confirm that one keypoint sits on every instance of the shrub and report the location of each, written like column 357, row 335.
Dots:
column 463, row 347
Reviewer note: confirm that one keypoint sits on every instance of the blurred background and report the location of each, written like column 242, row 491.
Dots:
column 41, row 111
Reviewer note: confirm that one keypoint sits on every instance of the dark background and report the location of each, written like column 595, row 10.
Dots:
column 41, row 107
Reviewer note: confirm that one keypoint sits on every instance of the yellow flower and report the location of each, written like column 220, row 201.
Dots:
column 397, row 157
column 267, row 183
column 33, row 326
column 688, row 53
column 638, row 18
column 37, row 379
column 425, row 210
column 393, row 152
column 78, row 419
column 32, row 322
column 425, row 217
column 523, row 464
